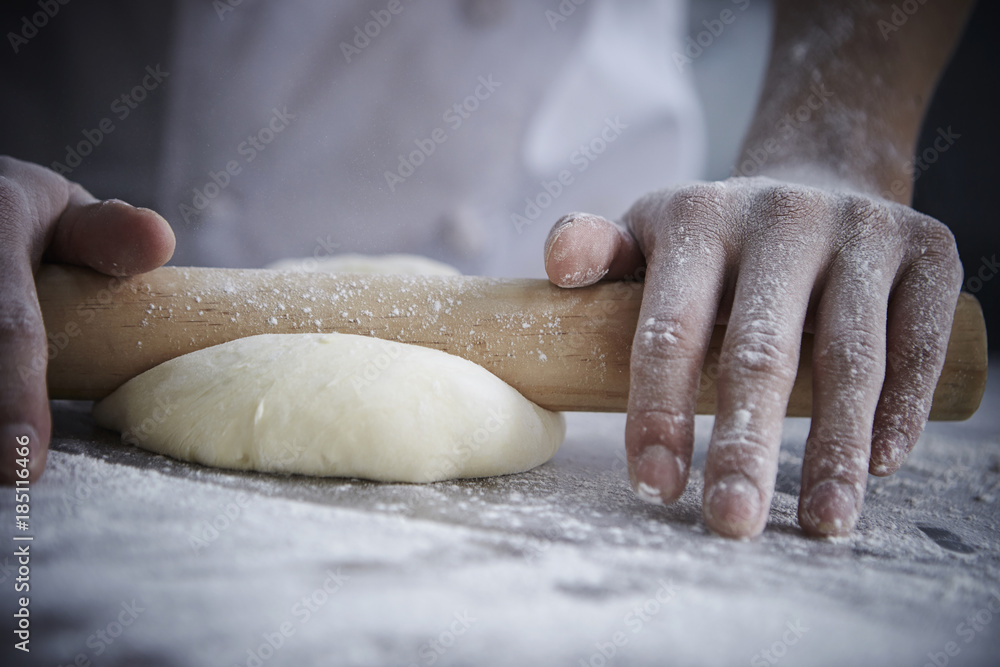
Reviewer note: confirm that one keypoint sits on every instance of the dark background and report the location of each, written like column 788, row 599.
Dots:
column 958, row 188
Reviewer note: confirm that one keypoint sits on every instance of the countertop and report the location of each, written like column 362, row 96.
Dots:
column 141, row 560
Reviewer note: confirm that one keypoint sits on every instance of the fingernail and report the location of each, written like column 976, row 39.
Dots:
column 733, row 507
column 831, row 509
column 658, row 475
column 13, row 439
column 561, row 226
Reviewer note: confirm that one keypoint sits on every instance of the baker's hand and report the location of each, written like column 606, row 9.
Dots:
column 772, row 259
column 42, row 215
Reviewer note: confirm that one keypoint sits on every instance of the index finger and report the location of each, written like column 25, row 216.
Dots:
column 684, row 283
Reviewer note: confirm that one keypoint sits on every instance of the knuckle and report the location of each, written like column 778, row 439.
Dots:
column 936, row 248
column 838, row 456
column 30, row 196
column 747, row 452
column 15, row 205
column 666, row 338
column 865, row 221
column 852, row 352
column 7, row 163
column 866, row 213
column 939, row 235
column 697, row 203
column 21, row 320
column 916, row 357
column 788, row 202
column 660, row 423
column 781, row 210
column 784, row 203
column 759, row 349
column 931, row 231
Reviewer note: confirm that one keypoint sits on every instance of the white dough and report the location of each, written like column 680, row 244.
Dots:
column 370, row 264
column 333, row 405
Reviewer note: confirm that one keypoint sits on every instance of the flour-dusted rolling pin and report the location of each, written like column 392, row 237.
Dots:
column 565, row 349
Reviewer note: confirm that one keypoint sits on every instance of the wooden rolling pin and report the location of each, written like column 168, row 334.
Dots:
column 564, row 349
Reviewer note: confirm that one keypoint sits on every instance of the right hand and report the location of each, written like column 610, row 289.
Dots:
column 45, row 216
column 771, row 259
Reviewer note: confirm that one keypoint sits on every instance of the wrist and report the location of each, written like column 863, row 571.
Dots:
column 817, row 133
column 843, row 101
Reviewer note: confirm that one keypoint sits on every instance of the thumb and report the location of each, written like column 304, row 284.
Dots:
column 42, row 215
column 582, row 249
column 110, row 236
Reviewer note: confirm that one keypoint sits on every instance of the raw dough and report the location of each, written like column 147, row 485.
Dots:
column 349, row 263
column 333, row 405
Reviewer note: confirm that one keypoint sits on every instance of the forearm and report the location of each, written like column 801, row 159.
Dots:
column 846, row 90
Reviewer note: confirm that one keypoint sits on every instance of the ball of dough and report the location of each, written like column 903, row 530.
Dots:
column 333, row 405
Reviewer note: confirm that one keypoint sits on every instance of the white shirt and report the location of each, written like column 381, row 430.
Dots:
column 442, row 129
